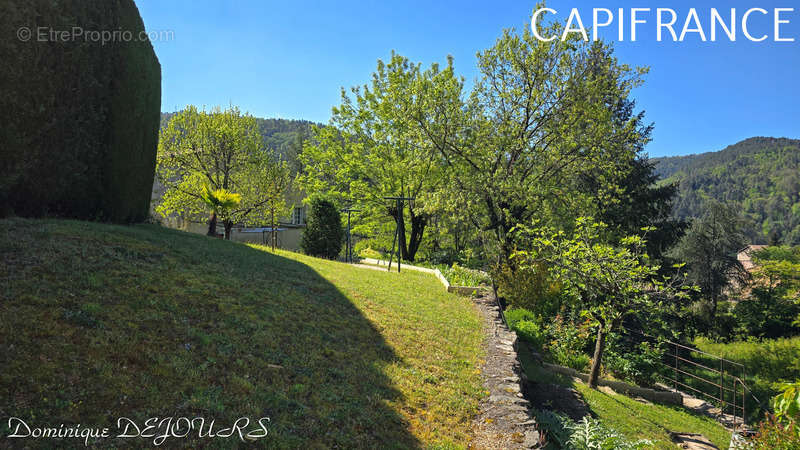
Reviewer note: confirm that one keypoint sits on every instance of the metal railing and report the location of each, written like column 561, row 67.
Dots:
column 714, row 378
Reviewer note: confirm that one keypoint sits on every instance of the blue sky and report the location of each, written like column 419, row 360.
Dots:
column 290, row 58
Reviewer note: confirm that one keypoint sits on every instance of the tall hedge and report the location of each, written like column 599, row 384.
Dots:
column 323, row 235
column 80, row 117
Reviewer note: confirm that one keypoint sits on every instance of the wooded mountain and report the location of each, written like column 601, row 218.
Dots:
column 285, row 136
column 759, row 176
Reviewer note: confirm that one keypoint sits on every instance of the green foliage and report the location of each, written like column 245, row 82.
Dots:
column 768, row 363
column 80, row 119
column 781, row 430
column 373, row 149
column 220, row 200
column 515, row 315
column 773, row 306
column 710, row 249
column 517, row 160
column 587, row 434
column 639, row 363
column 774, row 435
column 224, row 150
column 323, row 235
column 530, row 287
column 568, row 344
column 787, row 404
column 555, row 427
column 591, row 434
column 759, row 176
column 462, row 276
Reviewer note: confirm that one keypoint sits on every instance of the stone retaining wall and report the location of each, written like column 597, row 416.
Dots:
column 505, row 420
column 665, row 397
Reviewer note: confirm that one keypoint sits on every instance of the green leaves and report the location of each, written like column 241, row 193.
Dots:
column 787, row 404
column 203, row 152
column 220, row 200
column 609, row 281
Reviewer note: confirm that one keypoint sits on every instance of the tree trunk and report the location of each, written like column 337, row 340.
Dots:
column 228, row 226
column 212, row 224
column 599, row 347
column 418, row 224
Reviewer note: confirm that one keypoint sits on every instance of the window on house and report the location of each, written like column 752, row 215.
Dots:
column 299, row 215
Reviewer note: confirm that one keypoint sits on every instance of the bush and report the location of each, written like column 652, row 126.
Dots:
column 591, row 434
column 515, row 315
column 781, row 431
column 532, row 333
column 529, row 288
column 323, row 235
column 461, row 276
column 638, row 363
column 569, row 344
column 587, row 434
column 80, row 118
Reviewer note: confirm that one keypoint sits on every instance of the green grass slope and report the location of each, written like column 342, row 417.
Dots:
column 633, row 419
column 99, row 322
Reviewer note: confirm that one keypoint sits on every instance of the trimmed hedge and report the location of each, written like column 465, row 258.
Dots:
column 323, row 235
column 80, row 117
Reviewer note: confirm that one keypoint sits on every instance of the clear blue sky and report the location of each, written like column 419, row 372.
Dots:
column 290, row 58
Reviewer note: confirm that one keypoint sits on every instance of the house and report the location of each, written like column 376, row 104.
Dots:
column 745, row 256
column 289, row 229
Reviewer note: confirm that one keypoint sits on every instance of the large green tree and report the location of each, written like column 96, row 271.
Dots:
column 374, row 148
column 710, row 249
column 221, row 149
column 542, row 117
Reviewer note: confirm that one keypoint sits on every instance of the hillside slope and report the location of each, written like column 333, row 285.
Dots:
column 759, row 176
column 99, row 322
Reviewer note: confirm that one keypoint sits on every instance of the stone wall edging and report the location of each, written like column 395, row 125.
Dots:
column 665, row 397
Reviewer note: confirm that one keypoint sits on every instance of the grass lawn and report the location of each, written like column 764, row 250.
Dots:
column 633, row 419
column 101, row 321
column 767, row 364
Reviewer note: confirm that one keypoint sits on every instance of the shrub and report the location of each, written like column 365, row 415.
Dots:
column 531, row 332
column 323, row 235
column 515, row 315
column 80, row 119
column 569, row 344
column 587, row 434
column 529, row 288
column 638, row 363
column 591, row 434
column 461, row 276
column 781, row 431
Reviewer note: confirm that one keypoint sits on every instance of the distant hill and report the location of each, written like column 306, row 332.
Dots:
column 760, row 176
column 285, row 136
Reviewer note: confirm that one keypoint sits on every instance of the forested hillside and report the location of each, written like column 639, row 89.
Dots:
column 285, row 136
column 760, row 176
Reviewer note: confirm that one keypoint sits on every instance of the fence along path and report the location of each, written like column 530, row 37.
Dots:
column 715, row 379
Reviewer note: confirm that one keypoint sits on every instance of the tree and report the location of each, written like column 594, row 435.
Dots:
column 542, row 116
column 323, row 235
column 220, row 202
column 609, row 282
column 710, row 249
column 221, row 150
column 373, row 148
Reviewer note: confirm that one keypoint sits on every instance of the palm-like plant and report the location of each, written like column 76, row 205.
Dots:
column 220, row 201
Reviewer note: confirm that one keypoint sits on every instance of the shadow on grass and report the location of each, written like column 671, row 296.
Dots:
column 99, row 322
